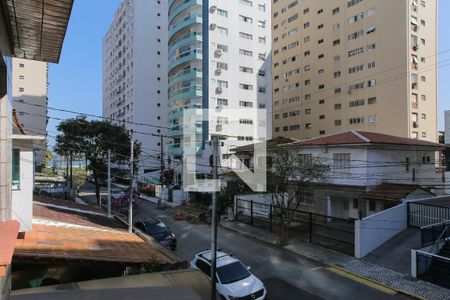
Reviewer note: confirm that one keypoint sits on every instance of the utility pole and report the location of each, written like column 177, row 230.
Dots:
column 130, row 205
column 71, row 173
column 215, row 146
column 109, row 183
column 161, row 176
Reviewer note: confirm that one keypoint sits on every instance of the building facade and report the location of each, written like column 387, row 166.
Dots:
column 354, row 65
column 30, row 99
column 239, row 67
column 135, row 74
column 368, row 172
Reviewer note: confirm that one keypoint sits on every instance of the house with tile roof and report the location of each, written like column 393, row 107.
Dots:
column 368, row 172
column 71, row 242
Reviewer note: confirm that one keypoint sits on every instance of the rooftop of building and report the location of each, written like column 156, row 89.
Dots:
column 81, row 233
column 392, row 191
column 272, row 143
column 353, row 137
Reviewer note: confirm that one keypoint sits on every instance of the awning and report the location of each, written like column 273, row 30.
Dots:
column 37, row 27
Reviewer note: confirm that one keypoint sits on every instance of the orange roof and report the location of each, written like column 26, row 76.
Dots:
column 391, row 191
column 65, row 242
column 362, row 138
column 8, row 234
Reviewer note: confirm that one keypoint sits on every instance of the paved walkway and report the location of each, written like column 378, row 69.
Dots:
column 382, row 275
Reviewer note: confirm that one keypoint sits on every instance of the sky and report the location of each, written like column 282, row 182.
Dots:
column 76, row 82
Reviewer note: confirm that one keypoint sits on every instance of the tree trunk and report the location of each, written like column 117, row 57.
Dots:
column 283, row 235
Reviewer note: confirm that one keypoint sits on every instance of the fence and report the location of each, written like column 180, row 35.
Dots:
column 421, row 214
column 430, row 234
column 330, row 232
column 433, row 268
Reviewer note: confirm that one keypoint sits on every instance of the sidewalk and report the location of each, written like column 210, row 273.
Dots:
column 381, row 275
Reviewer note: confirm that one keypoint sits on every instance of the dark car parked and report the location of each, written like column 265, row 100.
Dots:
column 159, row 231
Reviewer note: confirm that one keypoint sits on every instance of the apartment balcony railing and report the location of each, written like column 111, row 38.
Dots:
column 175, row 12
column 195, row 18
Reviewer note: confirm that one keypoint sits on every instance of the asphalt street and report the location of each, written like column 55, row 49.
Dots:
column 285, row 274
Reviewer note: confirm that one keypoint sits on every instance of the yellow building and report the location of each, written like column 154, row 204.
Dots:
column 355, row 65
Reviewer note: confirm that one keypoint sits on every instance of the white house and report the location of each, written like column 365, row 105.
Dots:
column 360, row 164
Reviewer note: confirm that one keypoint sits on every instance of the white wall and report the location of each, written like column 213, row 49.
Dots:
column 234, row 94
column 447, row 126
column 33, row 118
column 372, row 166
column 373, row 231
column 22, row 199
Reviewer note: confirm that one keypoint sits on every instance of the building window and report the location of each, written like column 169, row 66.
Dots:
column 21, row 77
column 335, row 11
column 245, row 19
column 245, row 36
column 341, row 162
column 337, row 122
column 21, row 65
column 15, row 169
column 305, row 198
column 372, row 205
column 21, row 89
column 372, row 100
column 222, row 12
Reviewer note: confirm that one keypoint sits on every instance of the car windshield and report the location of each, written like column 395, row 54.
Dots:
column 157, row 228
column 232, row 273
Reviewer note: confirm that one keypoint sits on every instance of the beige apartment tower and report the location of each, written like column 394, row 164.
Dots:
column 355, row 65
column 29, row 80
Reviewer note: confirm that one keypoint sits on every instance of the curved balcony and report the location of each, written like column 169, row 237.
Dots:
column 178, row 149
column 183, row 7
column 189, row 20
column 185, row 75
column 179, row 130
column 194, row 55
column 188, row 93
column 187, row 39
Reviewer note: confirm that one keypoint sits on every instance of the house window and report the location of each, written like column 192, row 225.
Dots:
column 15, row 169
column 372, row 205
column 341, row 161
column 355, row 204
column 305, row 199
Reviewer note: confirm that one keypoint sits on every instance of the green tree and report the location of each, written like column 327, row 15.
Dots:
column 93, row 139
column 288, row 177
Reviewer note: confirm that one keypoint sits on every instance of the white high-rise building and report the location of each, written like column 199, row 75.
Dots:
column 239, row 67
column 30, row 98
column 135, row 74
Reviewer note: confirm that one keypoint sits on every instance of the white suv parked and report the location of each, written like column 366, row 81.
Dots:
column 234, row 280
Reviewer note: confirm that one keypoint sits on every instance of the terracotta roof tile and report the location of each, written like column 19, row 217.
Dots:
column 77, row 218
column 80, row 244
column 390, row 191
column 8, row 234
column 362, row 137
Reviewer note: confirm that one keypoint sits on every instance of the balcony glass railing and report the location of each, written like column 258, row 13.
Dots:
column 188, row 20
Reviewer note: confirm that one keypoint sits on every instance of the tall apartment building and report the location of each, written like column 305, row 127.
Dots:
column 30, row 98
column 447, row 127
column 135, row 74
column 239, row 67
column 355, row 65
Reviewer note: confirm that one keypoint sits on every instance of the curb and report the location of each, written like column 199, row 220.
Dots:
column 406, row 293
column 400, row 291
